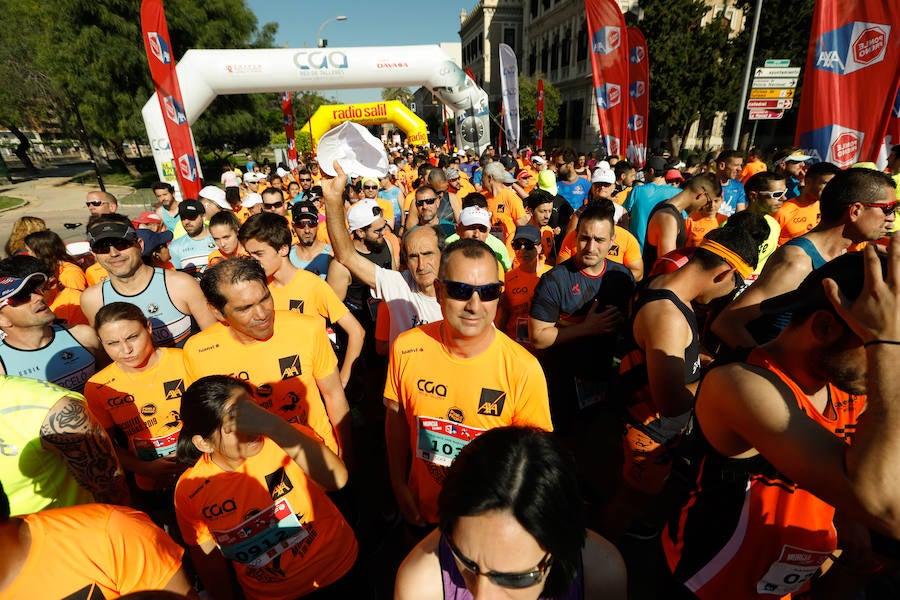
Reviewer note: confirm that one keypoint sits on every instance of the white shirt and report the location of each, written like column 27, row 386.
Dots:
column 407, row 305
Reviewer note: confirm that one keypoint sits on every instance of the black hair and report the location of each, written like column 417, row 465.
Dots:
column 538, row 197
column 469, row 247
column 726, row 155
column 599, row 212
column 474, row 199
column 227, row 218
column 233, row 195
column 849, row 187
column 705, row 182
column 526, row 472
column 622, row 167
column 23, row 265
column 742, row 238
column 761, row 182
column 162, row 185
column 272, row 191
column 233, row 271
column 751, row 222
column 4, row 505
column 203, row 411
column 822, row 168
column 266, row 227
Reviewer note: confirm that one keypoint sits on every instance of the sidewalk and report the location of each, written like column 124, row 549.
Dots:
column 49, row 197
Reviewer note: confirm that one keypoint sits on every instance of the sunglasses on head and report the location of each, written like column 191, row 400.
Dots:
column 463, row 291
column 887, row 209
column 23, row 296
column 274, row 205
column 104, row 246
column 515, row 581
column 424, row 201
column 523, row 245
column 774, row 195
column 94, row 203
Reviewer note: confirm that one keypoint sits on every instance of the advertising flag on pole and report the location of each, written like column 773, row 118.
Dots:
column 287, row 111
column 165, row 80
column 852, row 73
column 892, row 135
column 607, row 37
column 509, row 86
column 638, row 97
column 539, row 120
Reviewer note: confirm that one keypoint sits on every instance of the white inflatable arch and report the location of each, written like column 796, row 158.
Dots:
column 204, row 74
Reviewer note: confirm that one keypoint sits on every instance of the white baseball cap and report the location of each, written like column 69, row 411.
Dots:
column 251, row 200
column 363, row 213
column 216, row 195
column 474, row 215
column 603, row 176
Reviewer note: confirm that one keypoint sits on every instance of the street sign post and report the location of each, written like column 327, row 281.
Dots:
column 780, row 104
column 778, row 62
column 774, row 82
column 771, row 93
column 759, row 115
column 772, row 72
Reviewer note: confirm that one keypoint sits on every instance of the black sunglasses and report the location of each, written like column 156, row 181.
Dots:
column 23, row 296
column 463, row 291
column 104, row 246
column 522, row 244
column 424, row 201
column 274, row 205
column 885, row 208
column 516, row 581
column 370, row 187
column 94, row 203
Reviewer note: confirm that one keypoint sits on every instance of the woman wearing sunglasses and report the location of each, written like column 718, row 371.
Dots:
column 512, row 526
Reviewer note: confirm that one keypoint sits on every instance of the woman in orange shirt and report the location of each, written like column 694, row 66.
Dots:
column 67, row 280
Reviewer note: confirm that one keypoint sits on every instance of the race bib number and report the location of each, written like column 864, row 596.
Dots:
column 153, row 448
column 793, row 568
column 440, row 442
column 589, row 393
column 262, row 537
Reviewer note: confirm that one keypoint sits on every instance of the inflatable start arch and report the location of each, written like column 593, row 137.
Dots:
column 373, row 113
column 204, row 74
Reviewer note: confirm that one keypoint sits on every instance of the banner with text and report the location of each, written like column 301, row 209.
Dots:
column 608, row 41
column 165, row 80
column 287, row 111
column 509, row 87
column 638, row 97
column 852, row 73
column 539, row 119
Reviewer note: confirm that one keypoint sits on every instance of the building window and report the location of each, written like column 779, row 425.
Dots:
column 534, row 8
column 576, row 116
column 581, row 48
column 544, row 56
column 546, row 5
column 566, row 48
column 509, row 37
column 532, row 61
column 554, row 54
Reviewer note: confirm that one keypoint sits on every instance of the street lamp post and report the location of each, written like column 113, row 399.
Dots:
column 321, row 43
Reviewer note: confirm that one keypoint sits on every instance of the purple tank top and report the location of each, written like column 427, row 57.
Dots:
column 455, row 585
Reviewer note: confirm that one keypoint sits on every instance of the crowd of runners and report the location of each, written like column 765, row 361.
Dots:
column 496, row 375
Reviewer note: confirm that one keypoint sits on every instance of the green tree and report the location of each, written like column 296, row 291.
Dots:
column 402, row 94
column 528, row 106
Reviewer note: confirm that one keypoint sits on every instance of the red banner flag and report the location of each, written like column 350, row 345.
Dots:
column 852, row 73
column 638, row 97
column 287, row 111
column 165, row 80
column 892, row 135
column 539, row 120
column 609, row 63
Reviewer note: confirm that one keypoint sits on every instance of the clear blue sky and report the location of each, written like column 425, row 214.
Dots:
column 369, row 23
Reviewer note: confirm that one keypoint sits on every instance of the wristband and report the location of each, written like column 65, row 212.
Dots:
column 876, row 342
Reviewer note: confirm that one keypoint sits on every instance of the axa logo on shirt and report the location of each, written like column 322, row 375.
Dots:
column 491, row 402
column 854, row 46
column 174, row 389
column 289, row 366
column 606, row 40
column 214, row 511
column 608, row 95
column 839, row 145
column 430, row 387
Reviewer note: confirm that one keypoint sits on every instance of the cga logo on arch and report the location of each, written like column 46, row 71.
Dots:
column 217, row 510
column 319, row 60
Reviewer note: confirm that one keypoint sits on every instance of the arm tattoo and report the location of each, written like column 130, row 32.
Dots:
column 71, row 431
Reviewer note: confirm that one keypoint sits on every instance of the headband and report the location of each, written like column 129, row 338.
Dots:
column 735, row 261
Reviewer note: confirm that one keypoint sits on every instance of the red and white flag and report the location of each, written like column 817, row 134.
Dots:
column 608, row 39
column 539, row 120
column 638, row 97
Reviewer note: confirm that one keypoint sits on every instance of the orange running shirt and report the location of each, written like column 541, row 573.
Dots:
column 307, row 293
column 518, row 290
column 284, row 368
column 624, row 250
column 145, row 407
column 95, row 274
column 697, row 225
column 446, row 406
column 280, row 531
column 94, row 551
column 796, row 219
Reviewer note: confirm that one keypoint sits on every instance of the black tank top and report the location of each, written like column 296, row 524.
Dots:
column 445, row 209
column 651, row 253
column 357, row 298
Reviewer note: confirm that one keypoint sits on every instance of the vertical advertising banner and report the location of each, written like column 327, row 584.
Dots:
column 638, row 97
column 852, row 73
column 287, row 111
column 509, row 86
column 165, row 80
column 608, row 41
column 892, row 134
column 539, row 120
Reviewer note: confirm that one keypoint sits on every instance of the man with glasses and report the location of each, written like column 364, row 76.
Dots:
column 190, row 252
column 765, row 193
column 273, row 201
column 309, row 253
column 801, row 214
column 857, row 206
column 447, row 208
column 425, row 206
column 171, row 300
column 434, row 404
column 304, row 178
column 665, row 229
column 576, row 314
column 791, row 162
column 30, row 344
column 101, row 203
column 520, row 283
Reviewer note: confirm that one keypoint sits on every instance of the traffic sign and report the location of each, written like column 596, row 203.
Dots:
column 780, row 104
column 771, row 93
column 758, row 115
column 773, row 82
column 778, row 62
column 777, row 72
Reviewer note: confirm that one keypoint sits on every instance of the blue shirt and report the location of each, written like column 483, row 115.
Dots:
column 733, row 192
column 575, row 193
column 192, row 255
column 793, row 187
column 640, row 203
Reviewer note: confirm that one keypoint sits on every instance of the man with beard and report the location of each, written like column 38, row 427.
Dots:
column 309, row 253
column 168, row 207
column 570, row 184
column 426, row 208
column 190, row 253
column 770, row 459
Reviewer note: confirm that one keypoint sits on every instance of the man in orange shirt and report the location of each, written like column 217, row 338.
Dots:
column 798, row 216
column 753, row 165
column 520, row 282
column 505, row 205
column 434, row 405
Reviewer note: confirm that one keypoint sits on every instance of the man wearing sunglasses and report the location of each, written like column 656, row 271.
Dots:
column 857, row 206
column 800, row 214
column 101, row 203
column 190, row 252
column 171, row 300
column 435, row 404
column 765, row 193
